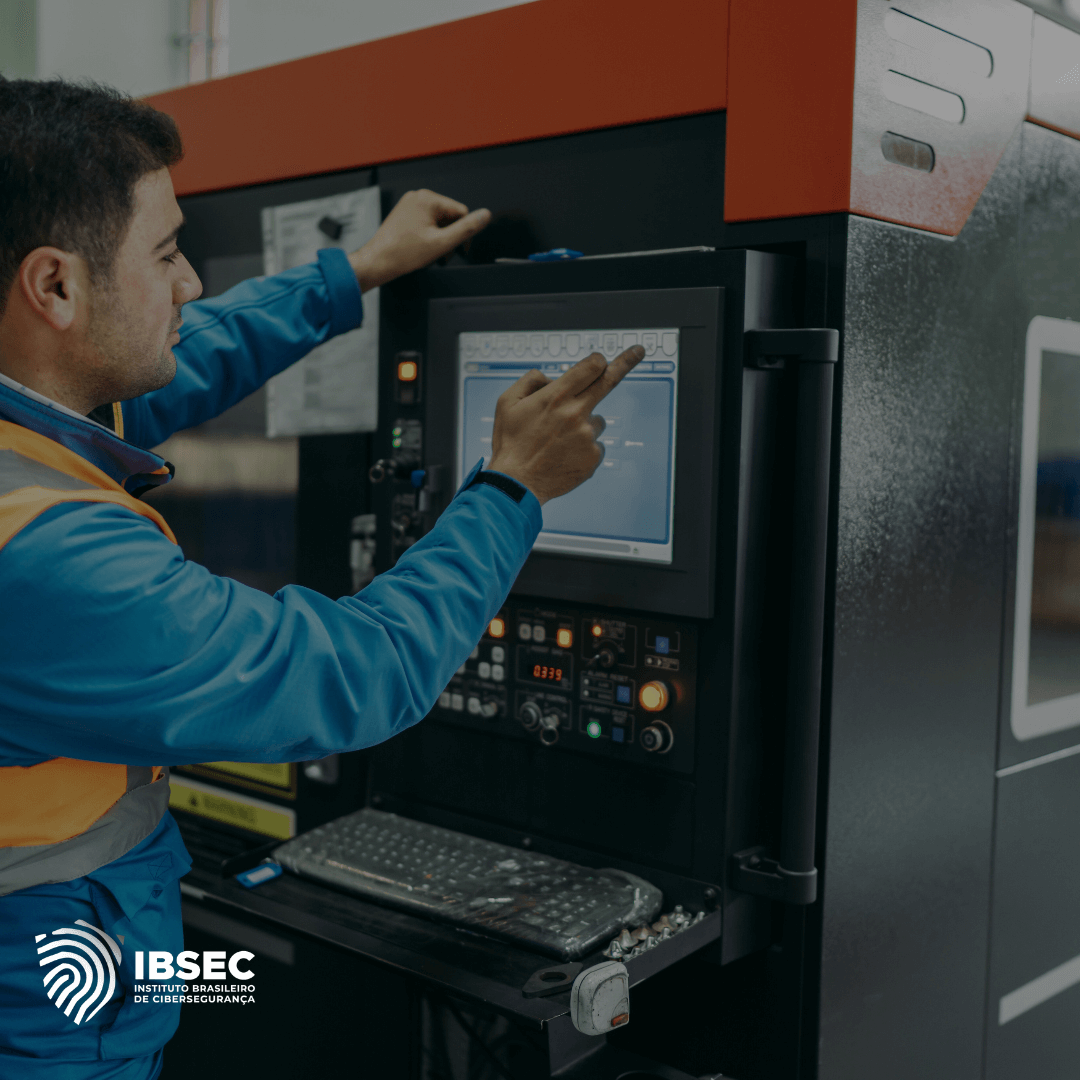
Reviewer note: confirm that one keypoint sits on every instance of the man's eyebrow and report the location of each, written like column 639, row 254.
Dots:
column 171, row 238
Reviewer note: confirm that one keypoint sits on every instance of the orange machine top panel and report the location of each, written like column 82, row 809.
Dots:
column 527, row 72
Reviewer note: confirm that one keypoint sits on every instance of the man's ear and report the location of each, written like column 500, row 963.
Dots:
column 55, row 285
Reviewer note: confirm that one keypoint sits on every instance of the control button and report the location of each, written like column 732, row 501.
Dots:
column 457, row 702
column 444, row 700
column 597, row 630
column 529, row 715
column 654, row 696
column 498, row 654
column 670, row 343
column 605, row 655
column 497, row 627
column 525, row 631
column 662, row 645
column 407, row 371
column 657, row 738
column 475, row 653
column 650, row 342
column 550, row 721
column 474, row 706
column 564, row 638
column 622, row 694
column 539, row 633
column 593, row 729
column 460, row 670
column 618, row 734
column 490, row 709
column 483, row 669
column 497, row 673
column 549, row 736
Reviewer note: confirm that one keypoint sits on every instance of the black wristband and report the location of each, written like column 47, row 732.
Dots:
column 507, row 486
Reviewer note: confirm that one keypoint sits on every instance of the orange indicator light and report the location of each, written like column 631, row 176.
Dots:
column 597, row 630
column 497, row 627
column 653, row 697
column 564, row 638
column 407, row 371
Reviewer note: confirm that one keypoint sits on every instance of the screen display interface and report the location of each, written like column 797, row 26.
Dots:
column 626, row 509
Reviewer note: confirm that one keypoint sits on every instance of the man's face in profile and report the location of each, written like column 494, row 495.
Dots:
column 135, row 314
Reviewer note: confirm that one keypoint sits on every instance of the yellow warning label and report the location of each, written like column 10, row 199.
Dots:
column 263, row 772
column 238, row 810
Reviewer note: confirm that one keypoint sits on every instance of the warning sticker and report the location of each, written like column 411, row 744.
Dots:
column 239, row 810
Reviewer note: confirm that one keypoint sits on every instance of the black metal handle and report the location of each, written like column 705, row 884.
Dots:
column 793, row 877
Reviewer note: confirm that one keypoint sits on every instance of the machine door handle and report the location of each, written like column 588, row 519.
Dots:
column 793, row 876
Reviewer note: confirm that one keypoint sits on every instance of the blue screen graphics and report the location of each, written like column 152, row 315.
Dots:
column 626, row 510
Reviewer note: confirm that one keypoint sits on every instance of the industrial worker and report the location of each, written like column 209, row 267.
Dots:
column 118, row 657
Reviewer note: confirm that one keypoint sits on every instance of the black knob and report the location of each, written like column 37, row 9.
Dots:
column 529, row 715
column 549, row 736
column 606, row 655
column 657, row 738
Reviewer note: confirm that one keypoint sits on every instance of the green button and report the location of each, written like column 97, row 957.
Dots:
column 593, row 729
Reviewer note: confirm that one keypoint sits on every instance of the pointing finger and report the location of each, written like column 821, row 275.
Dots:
column 615, row 372
column 584, row 373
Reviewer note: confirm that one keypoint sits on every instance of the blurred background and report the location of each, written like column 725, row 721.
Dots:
column 146, row 46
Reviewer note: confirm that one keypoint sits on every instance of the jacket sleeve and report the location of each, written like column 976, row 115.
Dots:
column 125, row 652
column 231, row 344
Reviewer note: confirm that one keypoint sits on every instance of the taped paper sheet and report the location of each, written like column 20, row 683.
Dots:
column 334, row 389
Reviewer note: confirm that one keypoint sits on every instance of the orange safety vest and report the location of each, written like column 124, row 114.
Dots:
column 63, row 801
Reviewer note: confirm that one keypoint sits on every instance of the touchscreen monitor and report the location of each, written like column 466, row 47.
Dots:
column 626, row 509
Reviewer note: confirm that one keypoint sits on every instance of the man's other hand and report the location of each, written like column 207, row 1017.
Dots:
column 545, row 433
column 422, row 227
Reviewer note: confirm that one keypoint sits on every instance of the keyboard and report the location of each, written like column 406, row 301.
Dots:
column 545, row 904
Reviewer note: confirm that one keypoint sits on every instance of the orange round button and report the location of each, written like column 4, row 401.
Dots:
column 654, row 696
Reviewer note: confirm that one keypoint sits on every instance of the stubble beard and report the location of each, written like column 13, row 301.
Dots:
column 127, row 362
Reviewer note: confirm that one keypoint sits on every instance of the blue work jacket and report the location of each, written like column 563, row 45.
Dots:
column 115, row 648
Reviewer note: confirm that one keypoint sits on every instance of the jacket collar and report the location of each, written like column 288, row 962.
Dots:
column 134, row 469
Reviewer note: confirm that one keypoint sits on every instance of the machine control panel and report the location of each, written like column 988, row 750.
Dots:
column 582, row 680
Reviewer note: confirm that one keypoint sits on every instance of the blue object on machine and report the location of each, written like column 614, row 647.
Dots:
column 555, row 255
column 417, row 476
column 259, row 875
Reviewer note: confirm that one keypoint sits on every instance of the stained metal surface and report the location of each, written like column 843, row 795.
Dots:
column 1035, row 930
column 1034, row 995
column 929, row 353
column 1050, row 286
column 952, row 75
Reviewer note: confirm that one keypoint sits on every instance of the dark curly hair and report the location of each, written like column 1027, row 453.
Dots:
column 70, row 156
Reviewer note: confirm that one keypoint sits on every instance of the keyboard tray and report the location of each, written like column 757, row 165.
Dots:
column 555, row 907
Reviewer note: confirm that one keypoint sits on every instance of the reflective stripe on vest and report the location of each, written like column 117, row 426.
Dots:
column 63, row 818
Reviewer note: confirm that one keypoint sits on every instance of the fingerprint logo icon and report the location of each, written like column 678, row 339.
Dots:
column 80, row 965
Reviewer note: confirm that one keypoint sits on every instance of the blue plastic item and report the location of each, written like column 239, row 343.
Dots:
column 259, row 875
column 555, row 255
column 417, row 476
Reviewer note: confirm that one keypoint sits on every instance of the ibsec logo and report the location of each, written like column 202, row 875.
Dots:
column 80, row 975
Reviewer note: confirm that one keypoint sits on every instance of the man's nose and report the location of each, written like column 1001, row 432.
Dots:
column 188, row 286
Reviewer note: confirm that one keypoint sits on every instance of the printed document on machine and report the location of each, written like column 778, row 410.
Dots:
column 334, row 389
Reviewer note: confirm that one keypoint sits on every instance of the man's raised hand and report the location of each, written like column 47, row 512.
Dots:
column 423, row 227
column 546, row 434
